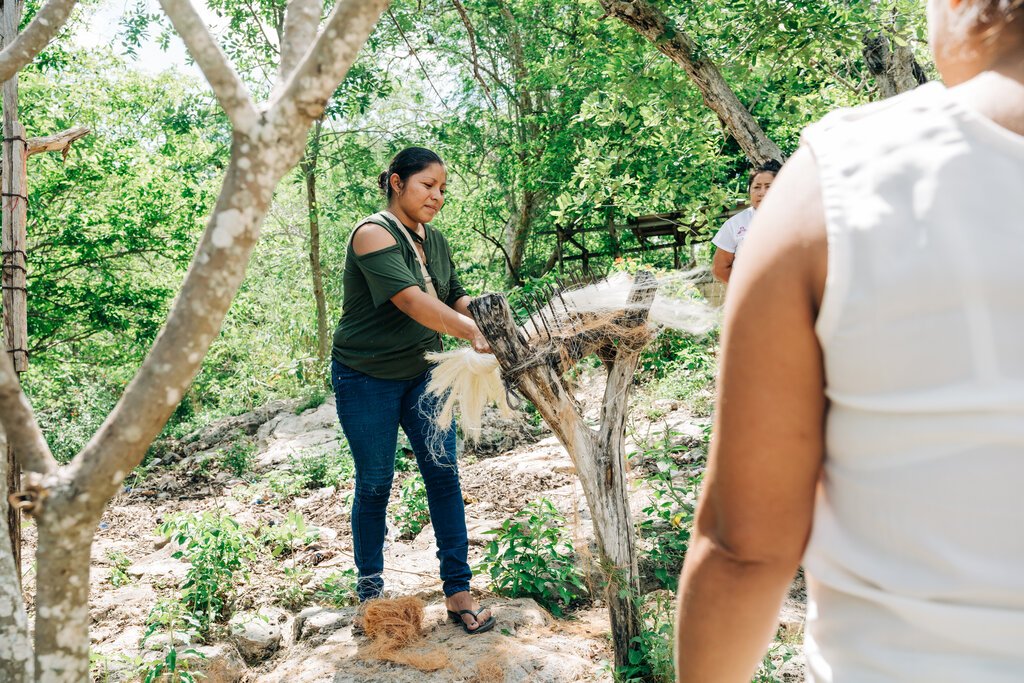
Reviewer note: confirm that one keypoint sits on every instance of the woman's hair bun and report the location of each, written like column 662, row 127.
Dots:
column 382, row 182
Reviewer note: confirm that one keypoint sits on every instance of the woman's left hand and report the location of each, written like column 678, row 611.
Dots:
column 479, row 343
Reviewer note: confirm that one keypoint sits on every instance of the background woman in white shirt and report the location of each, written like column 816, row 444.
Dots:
column 871, row 393
column 727, row 241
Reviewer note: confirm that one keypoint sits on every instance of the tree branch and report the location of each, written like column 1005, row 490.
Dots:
column 59, row 142
column 472, row 45
column 678, row 46
column 50, row 18
column 20, row 423
column 325, row 64
column 227, row 86
column 300, row 25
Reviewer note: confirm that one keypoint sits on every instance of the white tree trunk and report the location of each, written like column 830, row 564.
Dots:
column 68, row 501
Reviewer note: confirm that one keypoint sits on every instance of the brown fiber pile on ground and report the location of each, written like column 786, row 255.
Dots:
column 490, row 669
column 392, row 627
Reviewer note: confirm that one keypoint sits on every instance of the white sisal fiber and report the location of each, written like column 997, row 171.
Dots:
column 673, row 306
column 473, row 380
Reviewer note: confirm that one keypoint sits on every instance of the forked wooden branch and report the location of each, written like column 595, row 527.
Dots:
column 599, row 454
column 58, row 142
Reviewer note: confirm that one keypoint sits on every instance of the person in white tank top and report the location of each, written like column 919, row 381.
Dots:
column 871, row 393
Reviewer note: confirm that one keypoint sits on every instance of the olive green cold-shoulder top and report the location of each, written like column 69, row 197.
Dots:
column 374, row 336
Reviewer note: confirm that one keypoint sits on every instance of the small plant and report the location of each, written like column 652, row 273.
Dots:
column 413, row 513
column 776, row 657
column 339, row 589
column 119, row 563
column 666, row 527
column 282, row 540
column 314, row 399
column 238, row 457
column 218, row 549
column 530, row 556
column 165, row 616
column 315, row 471
column 650, row 659
column 284, row 484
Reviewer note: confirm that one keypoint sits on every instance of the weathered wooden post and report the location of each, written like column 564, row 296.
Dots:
column 13, row 209
column 599, row 457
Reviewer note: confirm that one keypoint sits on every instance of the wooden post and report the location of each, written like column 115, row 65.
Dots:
column 599, row 455
column 13, row 203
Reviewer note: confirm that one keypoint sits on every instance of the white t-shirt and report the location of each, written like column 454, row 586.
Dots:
column 916, row 559
column 732, row 234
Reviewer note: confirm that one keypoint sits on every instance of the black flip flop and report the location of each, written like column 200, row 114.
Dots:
column 457, row 618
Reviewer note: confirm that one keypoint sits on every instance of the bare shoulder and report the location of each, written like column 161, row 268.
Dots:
column 788, row 239
column 371, row 237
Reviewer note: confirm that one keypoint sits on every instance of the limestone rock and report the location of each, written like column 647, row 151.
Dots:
column 218, row 663
column 160, row 563
column 257, row 635
column 320, row 621
column 314, row 432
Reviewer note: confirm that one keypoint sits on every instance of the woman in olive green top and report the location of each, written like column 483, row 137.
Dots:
column 401, row 292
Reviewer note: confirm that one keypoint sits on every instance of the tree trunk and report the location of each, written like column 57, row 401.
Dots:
column 654, row 25
column 16, row 662
column 516, row 247
column 599, row 455
column 893, row 65
column 308, row 166
column 68, row 501
column 15, row 292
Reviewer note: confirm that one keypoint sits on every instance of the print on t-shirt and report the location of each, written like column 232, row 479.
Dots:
column 732, row 234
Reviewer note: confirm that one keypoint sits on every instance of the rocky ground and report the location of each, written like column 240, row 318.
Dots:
column 281, row 631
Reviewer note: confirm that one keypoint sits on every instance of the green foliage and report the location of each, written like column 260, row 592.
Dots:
column 317, row 470
column 282, row 538
column 238, row 457
column 651, row 655
column 778, row 654
column 119, row 563
column 412, row 513
column 218, row 550
column 531, row 556
column 339, row 589
column 165, row 617
column 667, row 520
column 680, row 366
column 314, row 399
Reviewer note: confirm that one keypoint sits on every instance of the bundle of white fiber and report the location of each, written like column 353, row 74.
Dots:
column 473, row 380
column 674, row 307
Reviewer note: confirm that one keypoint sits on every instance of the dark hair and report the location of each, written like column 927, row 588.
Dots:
column 409, row 161
column 771, row 166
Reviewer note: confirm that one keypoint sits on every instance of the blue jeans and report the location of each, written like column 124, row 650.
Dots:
column 371, row 411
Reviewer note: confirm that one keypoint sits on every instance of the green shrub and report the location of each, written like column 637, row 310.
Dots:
column 412, row 513
column 339, row 589
column 530, row 556
column 314, row 399
column 119, row 563
column 651, row 656
column 667, row 521
column 315, row 471
column 238, row 457
column 218, row 549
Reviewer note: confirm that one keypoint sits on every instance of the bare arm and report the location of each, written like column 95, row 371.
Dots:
column 721, row 264
column 755, row 512
column 417, row 304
